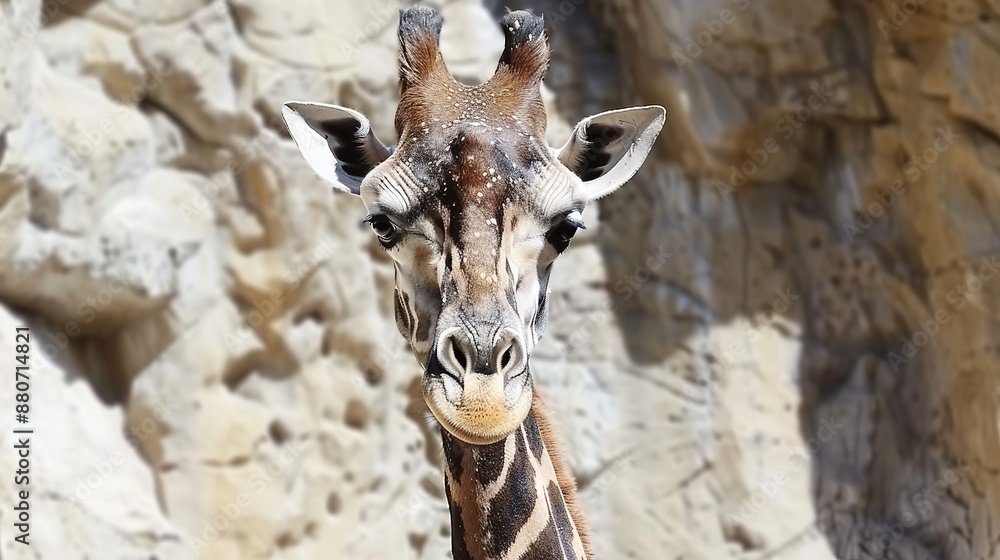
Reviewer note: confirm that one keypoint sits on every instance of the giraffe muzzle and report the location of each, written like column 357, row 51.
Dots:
column 460, row 355
column 479, row 391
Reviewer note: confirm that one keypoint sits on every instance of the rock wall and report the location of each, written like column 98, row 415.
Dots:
column 780, row 341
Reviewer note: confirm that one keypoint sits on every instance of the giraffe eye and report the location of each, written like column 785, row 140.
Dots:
column 564, row 232
column 382, row 227
column 560, row 235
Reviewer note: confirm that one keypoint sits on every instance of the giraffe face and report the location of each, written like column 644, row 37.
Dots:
column 474, row 215
column 474, row 208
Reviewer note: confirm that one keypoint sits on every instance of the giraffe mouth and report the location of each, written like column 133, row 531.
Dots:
column 480, row 408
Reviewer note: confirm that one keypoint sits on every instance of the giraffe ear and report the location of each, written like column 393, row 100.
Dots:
column 338, row 143
column 607, row 149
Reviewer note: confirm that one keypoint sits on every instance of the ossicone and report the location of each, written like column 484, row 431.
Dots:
column 419, row 45
column 526, row 48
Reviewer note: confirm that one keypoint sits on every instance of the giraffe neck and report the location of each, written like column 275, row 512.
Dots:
column 509, row 500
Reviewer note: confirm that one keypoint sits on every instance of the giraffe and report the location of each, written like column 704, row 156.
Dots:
column 474, row 208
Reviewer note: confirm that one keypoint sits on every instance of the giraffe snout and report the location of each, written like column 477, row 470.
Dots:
column 478, row 387
column 460, row 355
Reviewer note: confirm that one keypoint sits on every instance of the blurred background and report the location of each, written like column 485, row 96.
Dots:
column 779, row 341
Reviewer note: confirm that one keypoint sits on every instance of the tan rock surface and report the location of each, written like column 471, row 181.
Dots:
column 727, row 356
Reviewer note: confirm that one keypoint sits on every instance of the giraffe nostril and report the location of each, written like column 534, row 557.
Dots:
column 455, row 353
column 459, row 356
column 511, row 358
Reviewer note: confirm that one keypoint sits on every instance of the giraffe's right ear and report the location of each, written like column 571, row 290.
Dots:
column 338, row 143
column 607, row 149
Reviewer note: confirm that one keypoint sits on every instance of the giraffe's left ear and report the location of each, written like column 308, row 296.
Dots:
column 607, row 149
column 337, row 142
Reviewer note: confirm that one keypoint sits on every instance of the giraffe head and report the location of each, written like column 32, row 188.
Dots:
column 474, row 208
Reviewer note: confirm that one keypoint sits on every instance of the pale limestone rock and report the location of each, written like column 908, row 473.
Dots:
column 129, row 14
column 73, row 139
column 312, row 33
column 73, row 236
column 19, row 29
column 472, row 48
column 91, row 492
column 192, row 63
column 170, row 140
column 83, row 47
